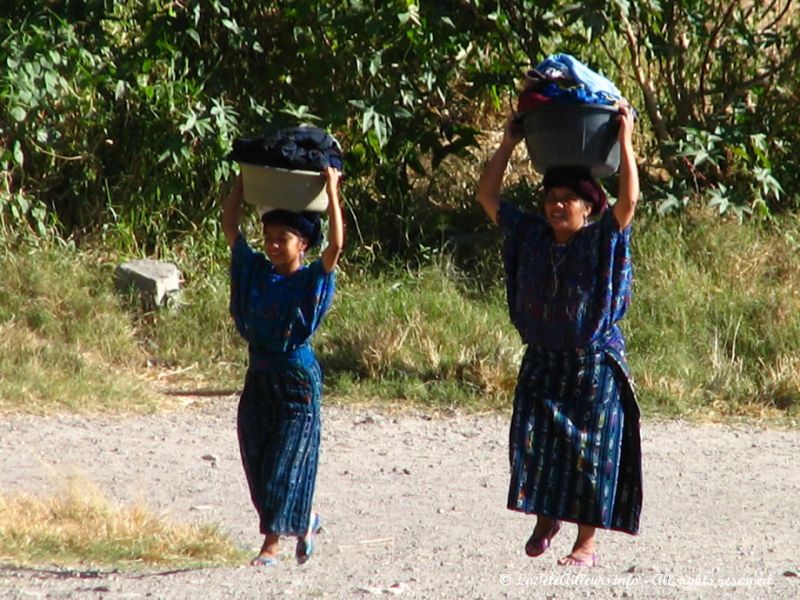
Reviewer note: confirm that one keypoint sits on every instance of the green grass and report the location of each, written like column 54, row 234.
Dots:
column 65, row 342
column 714, row 328
column 713, row 331
column 420, row 338
column 198, row 333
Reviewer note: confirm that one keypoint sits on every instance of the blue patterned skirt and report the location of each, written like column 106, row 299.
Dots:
column 279, row 438
column 574, row 441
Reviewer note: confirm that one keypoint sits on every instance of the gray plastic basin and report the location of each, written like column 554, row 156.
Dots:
column 584, row 135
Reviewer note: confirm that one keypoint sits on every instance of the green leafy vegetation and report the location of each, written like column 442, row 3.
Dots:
column 116, row 116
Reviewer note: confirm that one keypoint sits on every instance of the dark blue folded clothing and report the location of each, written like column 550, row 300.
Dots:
column 298, row 148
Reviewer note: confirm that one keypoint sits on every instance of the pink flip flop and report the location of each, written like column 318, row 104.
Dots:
column 537, row 545
column 573, row 561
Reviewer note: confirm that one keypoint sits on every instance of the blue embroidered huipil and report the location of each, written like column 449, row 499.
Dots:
column 273, row 312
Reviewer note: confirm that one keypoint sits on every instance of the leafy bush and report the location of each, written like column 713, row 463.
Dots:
column 117, row 116
column 109, row 127
column 716, row 81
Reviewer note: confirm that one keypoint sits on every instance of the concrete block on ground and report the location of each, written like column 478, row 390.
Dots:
column 154, row 280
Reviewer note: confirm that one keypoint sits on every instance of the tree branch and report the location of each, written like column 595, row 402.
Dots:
column 780, row 16
column 675, row 72
column 650, row 102
column 711, row 43
column 610, row 56
column 762, row 79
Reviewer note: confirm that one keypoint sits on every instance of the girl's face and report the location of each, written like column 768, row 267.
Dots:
column 284, row 248
column 566, row 212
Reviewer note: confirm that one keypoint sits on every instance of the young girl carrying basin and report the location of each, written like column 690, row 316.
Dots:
column 277, row 303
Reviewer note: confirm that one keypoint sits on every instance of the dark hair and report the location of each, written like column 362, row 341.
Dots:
column 580, row 181
column 307, row 224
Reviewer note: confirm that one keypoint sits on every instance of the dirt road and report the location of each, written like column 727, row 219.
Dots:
column 414, row 507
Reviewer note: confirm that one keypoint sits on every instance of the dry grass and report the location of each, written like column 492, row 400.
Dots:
column 80, row 526
column 783, row 382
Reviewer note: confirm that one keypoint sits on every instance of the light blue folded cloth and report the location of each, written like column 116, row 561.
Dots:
column 570, row 67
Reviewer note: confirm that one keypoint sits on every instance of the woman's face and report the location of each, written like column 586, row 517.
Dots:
column 284, row 247
column 565, row 211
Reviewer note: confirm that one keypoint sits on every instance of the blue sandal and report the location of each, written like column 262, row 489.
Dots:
column 305, row 544
column 264, row 561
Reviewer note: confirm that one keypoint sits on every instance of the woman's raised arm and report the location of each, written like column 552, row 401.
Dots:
column 492, row 176
column 628, row 171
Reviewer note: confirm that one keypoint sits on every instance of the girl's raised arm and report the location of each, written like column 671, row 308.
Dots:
column 330, row 256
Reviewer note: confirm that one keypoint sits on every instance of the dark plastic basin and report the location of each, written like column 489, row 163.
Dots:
column 585, row 135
